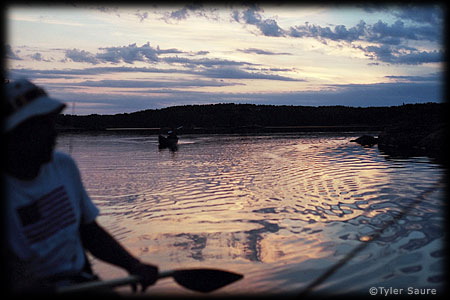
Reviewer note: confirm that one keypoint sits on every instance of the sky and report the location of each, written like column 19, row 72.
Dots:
column 126, row 58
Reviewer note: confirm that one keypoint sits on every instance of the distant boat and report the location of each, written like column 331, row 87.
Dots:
column 171, row 141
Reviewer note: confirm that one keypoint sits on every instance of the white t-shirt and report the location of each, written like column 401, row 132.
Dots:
column 44, row 215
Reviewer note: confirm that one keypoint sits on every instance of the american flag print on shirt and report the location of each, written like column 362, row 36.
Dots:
column 47, row 215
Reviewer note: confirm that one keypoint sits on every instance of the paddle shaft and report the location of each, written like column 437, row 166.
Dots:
column 106, row 284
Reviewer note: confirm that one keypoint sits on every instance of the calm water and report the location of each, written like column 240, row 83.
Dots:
column 280, row 209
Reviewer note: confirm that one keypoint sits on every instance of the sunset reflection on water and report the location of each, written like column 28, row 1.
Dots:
column 279, row 209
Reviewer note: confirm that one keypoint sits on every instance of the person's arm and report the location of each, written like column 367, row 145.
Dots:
column 103, row 246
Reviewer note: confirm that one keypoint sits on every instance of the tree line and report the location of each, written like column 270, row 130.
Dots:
column 231, row 115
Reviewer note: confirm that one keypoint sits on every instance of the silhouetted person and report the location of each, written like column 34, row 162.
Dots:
column 172, row 135
column 50, row 219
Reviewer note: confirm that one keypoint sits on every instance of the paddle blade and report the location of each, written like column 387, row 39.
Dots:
column 205, row 280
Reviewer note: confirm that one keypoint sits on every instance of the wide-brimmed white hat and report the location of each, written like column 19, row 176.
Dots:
column 25, row 100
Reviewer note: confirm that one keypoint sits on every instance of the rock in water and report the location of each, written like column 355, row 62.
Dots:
column 366, row 140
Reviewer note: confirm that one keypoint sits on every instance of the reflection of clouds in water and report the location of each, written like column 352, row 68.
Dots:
column 285, row 208
column 195, row 244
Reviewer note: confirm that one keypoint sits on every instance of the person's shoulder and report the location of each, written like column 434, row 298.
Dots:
column 62, row 158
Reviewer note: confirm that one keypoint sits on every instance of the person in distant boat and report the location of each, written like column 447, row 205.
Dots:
column 172, row 135
column 50, row 219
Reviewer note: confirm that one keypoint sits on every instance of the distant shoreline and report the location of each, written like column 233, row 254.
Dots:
column 252, row 118
column 233, row 130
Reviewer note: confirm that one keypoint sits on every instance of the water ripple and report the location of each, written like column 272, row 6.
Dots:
column 291, row 204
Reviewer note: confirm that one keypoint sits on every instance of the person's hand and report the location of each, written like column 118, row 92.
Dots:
column 147, row 273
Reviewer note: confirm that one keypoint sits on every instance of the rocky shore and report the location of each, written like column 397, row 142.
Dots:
column 409, row 139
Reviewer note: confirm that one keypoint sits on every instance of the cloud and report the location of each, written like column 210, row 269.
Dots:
column 236, row 73
column 424, row 25
column 186, row 11
column 70, row 73
column 156, row 94
column 380, row 32
column 270, row 27
column 128, row 54
column 168, row 51
column 10, row 54
column 363, row 95
column 142, row 16
column 418, row 13
column 210, row 69
column 38, row 57
column 179, row 14
column 204, row 62
column 270, row 69
column 262, row 52
column 389, row 41
column 106, row 9
column 399, row 55
column 339, row 33
column 251, row 16
column 408, row 78
column 134, row 53
column 81, row 56
column 153, row 84
column 421, row 13
column 200, row 53
column 389, row 93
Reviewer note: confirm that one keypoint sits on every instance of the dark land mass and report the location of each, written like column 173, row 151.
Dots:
column 234, row 117
column 411, row 129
